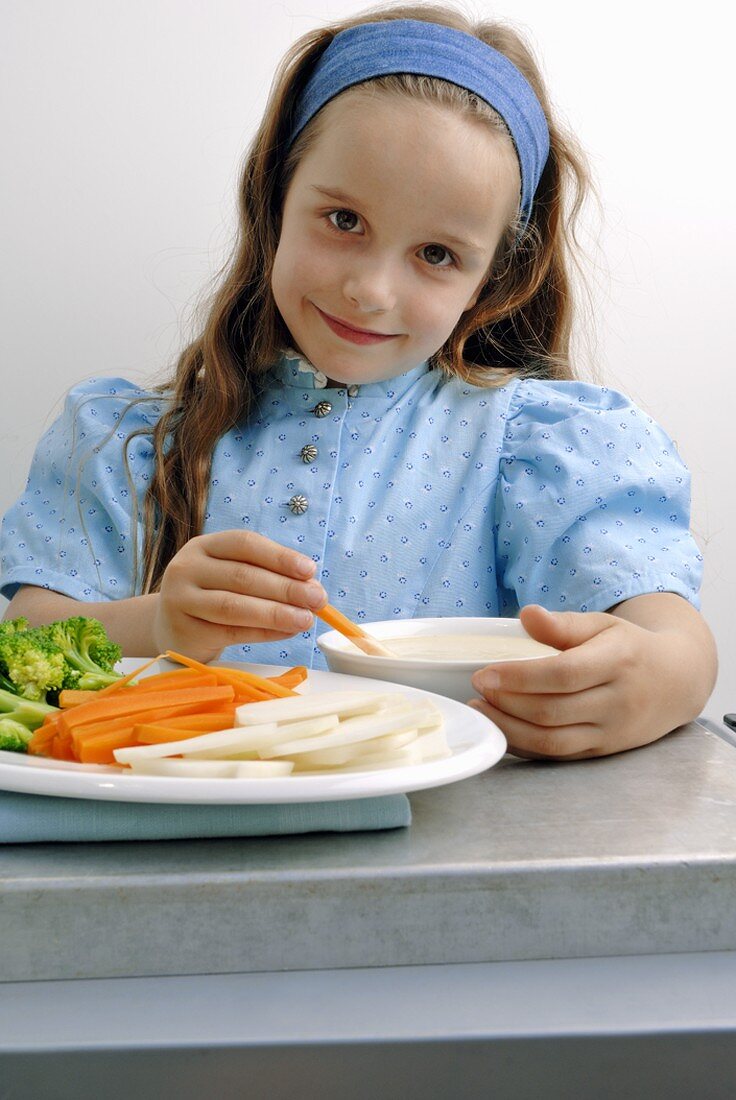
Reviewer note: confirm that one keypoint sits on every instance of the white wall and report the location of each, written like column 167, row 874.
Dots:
column 123, row 127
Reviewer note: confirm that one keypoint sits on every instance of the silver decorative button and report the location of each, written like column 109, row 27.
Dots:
column 298, row 504
column 353, row 391
column 308, row 453
column 322, row 408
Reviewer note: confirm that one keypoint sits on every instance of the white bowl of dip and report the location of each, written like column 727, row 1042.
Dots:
column 438, row 655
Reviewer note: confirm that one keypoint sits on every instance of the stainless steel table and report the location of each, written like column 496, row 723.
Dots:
column 541, row 930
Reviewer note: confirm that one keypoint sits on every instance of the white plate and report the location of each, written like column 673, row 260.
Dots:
column 476, row 744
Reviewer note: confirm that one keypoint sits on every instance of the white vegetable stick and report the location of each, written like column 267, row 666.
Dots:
column 266, row 769
column 253, row 738
column 410, row 754
column 425, row 714
column 220, row 739
column 430, row 746
column 345, row 754
column 296, row 707
column 363, row 729
column 190, row 769
column 433, row 744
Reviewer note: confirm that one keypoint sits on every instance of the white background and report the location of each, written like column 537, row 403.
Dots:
column 123, row 128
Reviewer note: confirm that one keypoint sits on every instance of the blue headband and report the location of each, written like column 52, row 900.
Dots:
column 432, row 49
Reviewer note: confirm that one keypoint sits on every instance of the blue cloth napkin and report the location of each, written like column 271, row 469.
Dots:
column 33, row 818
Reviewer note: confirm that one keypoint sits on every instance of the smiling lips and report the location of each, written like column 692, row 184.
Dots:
column 355, row 336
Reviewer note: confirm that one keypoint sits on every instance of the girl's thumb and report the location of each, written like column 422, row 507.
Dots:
column 563, row 629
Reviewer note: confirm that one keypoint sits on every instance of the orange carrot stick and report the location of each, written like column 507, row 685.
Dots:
column 125, row 680
column 95, row 729
column 99, row 750
column 40, row 742
column 334, row 618
column 207, row 721
column 292, row 678
column 234, row 676
column 179, row 677
column 60, row 749
column 80, row 734
column 103, row 709
column 154, row 735
column 70, row 697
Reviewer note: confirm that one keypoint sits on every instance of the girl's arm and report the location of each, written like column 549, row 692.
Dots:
column 624, row 678
column 128, row 622
column 220, row 589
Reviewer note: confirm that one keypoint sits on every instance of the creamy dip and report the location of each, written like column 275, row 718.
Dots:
column 467, row 647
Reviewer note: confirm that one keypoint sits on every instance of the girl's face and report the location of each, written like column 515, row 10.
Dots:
column 401, row 246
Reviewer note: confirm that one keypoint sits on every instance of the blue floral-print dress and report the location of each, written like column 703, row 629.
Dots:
column 416, row 496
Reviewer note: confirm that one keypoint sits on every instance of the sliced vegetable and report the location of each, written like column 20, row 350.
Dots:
column 222, row 740
column 236, row 677
column 310, row 706
column 393, row 720
column 137, row 703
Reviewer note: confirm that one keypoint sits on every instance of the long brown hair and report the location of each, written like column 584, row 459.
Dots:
column 521, row 322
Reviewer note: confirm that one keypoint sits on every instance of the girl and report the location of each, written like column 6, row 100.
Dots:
column 382, row 400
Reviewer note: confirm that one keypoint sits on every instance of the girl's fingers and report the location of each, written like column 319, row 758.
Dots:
column 252, row 580
column 224, row 575
column 573, row 742
column 211, row 634
column 227, row 608
column 250, row 547
column 586, row 666
column 578, row 708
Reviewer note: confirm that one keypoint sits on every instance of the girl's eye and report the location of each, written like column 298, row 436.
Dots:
column 440, row 248
column 343, row 214
column 341, row 217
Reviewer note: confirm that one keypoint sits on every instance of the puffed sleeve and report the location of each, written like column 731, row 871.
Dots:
column 71, row 530
column 593, row 502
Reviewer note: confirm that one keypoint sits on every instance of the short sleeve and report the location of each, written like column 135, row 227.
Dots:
column 593, row 502
column 74, row 527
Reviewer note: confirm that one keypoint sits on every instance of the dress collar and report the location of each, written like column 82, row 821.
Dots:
column 293, row 369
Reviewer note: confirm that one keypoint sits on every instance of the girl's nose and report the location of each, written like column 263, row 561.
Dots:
column 371, row 286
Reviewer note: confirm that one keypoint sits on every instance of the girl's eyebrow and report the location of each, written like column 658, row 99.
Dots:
column 341, row 196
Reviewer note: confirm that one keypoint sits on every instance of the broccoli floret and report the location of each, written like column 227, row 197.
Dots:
column 13, row 626
column 18, row 719
column 30, row 664
column 87, row 650
column 14, row 736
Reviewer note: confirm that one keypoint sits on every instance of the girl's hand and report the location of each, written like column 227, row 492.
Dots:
column 615, row 686
column 232, row 587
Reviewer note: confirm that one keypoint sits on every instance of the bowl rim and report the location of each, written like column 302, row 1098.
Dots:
column 329, row 637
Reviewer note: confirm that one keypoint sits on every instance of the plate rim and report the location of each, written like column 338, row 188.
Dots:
column 96, row 783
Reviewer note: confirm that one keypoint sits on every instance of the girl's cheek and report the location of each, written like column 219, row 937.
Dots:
column 314, row 254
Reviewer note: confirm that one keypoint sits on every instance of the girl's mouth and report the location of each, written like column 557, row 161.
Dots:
column 351, row 334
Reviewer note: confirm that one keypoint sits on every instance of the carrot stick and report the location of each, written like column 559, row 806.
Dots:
column 99, row 750
column 207, row 721
column 94, row 729
column 246, row 694
column 234, row 676
column 292, row 678
column 60, row 749
column 80, row 734
column 125, row 680
column 179, row 677
column 154, row 735
column 70, row 697
column 338, row 621
column 41, row 738
column 103, row 709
